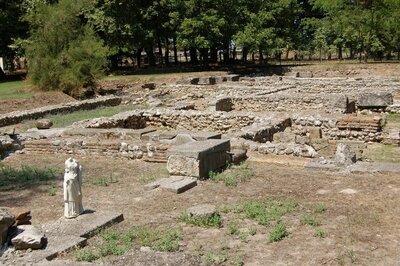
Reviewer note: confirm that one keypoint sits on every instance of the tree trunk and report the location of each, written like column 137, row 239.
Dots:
column 166, row 51
column 160, row 52
column 175, row 52
column 139, row 57
column 193, row 55
column 261, row 55
column 214, row 55
column 226, row 52
column 340, row 53
column 234, row 53
column 185, row 54
column 244, row 54
column 2, row 74
column 150, row 54
column 287, row 54
column 204, row 55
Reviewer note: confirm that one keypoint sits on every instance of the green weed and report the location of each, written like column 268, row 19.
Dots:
column 85, row 255
column 11, row 178
column 320, row 233
column 233, row 175
column 263, row 212
column 52, row 189
column 233, row 228
column 310, row 220
column 278, row 233
column 320, row 208
column 213, row 221
column 104, row 181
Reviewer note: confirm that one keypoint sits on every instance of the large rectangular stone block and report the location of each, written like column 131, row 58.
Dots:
column 198, row 158
column 374, row 100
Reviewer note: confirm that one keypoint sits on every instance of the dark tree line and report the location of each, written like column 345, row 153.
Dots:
column 204, row 31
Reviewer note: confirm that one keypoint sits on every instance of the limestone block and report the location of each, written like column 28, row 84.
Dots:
column 207, row 81
column 306, row 74
column 44, row 124
column 345, row 155
column 28, row 236
column 202, row 211
column 284, row 137
column 197, row 159
column 221, row 104
column 6, row 220
column 374, row 100
column 315, row 133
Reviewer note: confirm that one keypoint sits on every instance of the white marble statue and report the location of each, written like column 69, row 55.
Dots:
column 72, row 188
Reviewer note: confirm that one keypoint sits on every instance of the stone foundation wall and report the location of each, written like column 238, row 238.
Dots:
column 19, row 116
column 173, row 119
column 291, row 102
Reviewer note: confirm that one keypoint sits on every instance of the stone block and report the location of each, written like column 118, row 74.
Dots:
column 315, row 133
column 224, row 104
column 345, row 155
column 292, row 74
column 44, row 124
column 306, row 74
column 150, row 86
column 197, row 159
column 202, row 211
column 179, row 186
column 6, row 220
column 28, row 236
column 207, row 81
column 374, row 100
column 284, row 137
column 233, row 78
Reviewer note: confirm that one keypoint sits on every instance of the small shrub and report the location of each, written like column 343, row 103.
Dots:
column 213, row 221
column 104, row 181
column 320, row 233
column 237, row 261
column 252, row 231
column 264, row 213
column 85, row 255
column 320, row 208
column 233, row 175
column 52, row 189
column 233, row 228
column 310, row 220
column 11, row 178
column 278, row 233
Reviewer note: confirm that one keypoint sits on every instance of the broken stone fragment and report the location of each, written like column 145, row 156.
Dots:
column 202, row 211
column 6, row 220
column 44, row 124
column 28, row 236
column 345, row 155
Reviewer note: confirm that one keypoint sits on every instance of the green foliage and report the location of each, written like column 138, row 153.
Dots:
column 320, row 233
column 214, row 220
column 233, row 175
column 104, row 181
column 310, row 220
column 233, row 228
column 12, row 178
column 320, row 208
column 14, row 90
column 52, row 189
column 278, row 232
column 85, row 255
column 64, row 52
column 263, row 212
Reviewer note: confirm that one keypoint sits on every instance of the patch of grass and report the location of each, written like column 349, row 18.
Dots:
column 85, row 255
column 215, row 259
column 392, row 119
column 63, row 120
column 14, row 90
column 383, row 153
column 233, row 228
column 237, row 260
column 278, row 232
column 52, row 189
column 233, row 175
column 104, row 181
column 310, row 220
column 265, row 212
column 214, row 220
column 320, row 208
column 12, row 178
column 117, row 243
column 320, row 233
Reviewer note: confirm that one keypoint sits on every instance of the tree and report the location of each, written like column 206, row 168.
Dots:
column 64, row 51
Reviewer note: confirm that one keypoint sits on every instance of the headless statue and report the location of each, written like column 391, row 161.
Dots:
column 72, row 189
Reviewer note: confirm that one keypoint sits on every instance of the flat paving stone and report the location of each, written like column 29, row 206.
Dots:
column 66, row 234
column 179, row 186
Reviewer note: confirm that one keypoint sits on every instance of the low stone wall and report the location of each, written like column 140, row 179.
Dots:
column 173, row 119
column 363, row 128
column 292, row 102
column 19, row 116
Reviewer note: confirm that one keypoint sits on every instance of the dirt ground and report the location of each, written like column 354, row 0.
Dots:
column 40, row 99
column 360, row 227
